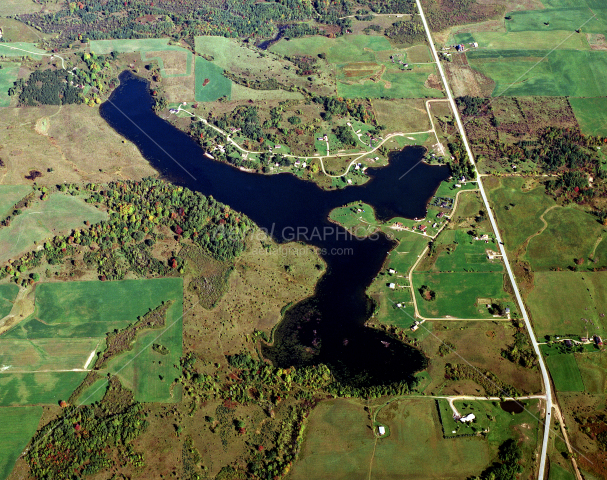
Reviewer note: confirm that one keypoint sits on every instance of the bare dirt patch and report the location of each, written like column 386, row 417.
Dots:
column 174, row 62
column 466, row 81
column 597, row 41
column 433, row 82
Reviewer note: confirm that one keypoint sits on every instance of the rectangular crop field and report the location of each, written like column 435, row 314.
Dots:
column 534, row 72
column 457, row 293
column 591, row 113
column 18, row 426
column 569, row 19
column 210, row 82
column 59, row 213
column 37, row 388
column 565, row 373
column 593, row 368
column 70, row 322
column 524, row 40
column 340, row 445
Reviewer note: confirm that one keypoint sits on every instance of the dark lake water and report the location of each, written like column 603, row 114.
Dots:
column 329, row 326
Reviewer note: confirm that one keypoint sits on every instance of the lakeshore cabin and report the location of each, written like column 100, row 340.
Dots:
column 381, row 430
column 467, row 418
column 391, row 271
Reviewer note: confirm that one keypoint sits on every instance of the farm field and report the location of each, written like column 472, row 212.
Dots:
column 364, row 66
column 560, row 301
column 591, row 114
column 217, row 86
column 18, row 426
column 518, row 204
column 71, row 320
column 466, row 254
column 593, row 368
column 540, row 40
column 457, row 294
column 565, row 373
column 58, row 214
column 531, row 72
column 8, row 293
column 15, row 49
column 567, row 16
column 339, row 444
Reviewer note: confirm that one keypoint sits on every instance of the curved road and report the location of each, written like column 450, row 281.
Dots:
column 519, row 299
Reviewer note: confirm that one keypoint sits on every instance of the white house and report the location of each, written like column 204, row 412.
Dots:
column 392, row 286
column 467, row 418
column 381, row 430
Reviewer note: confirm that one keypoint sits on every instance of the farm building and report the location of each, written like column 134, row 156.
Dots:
column 392, row 286
column 381, row 430
column 391, row 271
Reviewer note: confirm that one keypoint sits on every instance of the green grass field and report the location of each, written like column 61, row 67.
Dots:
column 593, row 368
column 60, row 213
column 339, row 445
column 10, row 195
column 218, row 85
column 457, row 293
column 105, row 47
column 568, row 18
column 523, row 40
column 559, row 473
column 571, row 234
column 8, row 293
column 560, row 301
column 591, row 113
column 8, row 76
column 20, row 49
column 359, row 223
column 71, row 320
column 18, row 426
column 565, row 373
column 518, row 212
column 469, row 255
column 393, row 84
column 533, row 72
column 38, row 388
column 240, row 92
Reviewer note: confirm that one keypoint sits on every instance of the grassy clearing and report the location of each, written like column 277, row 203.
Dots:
column 16, row 31
column 16, row 430
column 357, row 217
column 357, row 48
column 518, row 204
column 15, row 49
column 60, row 213
column 467, row 254
column 339, row 444
column 571, row 234
column 38, row 388
column 105, row 47
column 8, row 293
column 565, row 373
column 593, row 368
column 240, row 92
column 401, row 115
column 585, row 296
column 8, row 76
column 217, row 85
column 591, row 113
column 10, row 195
column 457, row 294
column 51, row 354
column 530, row 72
column 559, row 473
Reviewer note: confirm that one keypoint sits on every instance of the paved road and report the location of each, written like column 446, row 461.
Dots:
column 546, row 379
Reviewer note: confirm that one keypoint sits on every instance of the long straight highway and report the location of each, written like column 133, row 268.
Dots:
column 536, row 347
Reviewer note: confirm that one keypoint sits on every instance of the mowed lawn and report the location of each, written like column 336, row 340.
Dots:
column 565, row 373
column 59, row 214
column 217, row 85
column 457, row 293
column 340, row 445
column 71, row 320
column 18, row 426
column 569, row 303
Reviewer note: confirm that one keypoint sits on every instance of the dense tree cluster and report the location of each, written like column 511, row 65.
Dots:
column 471, row 105
column 88, row 439
column 406, row 31
column 508, row 467
column 47, row 87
